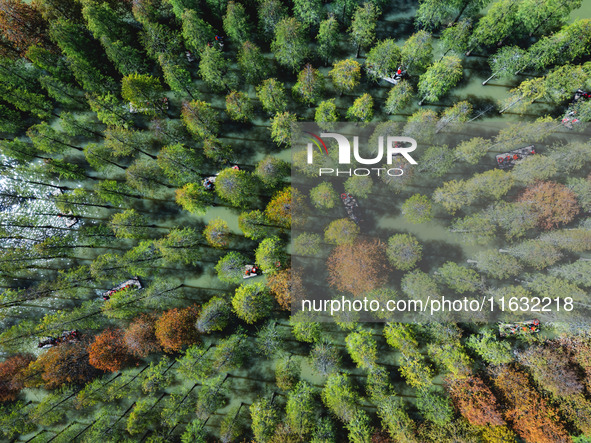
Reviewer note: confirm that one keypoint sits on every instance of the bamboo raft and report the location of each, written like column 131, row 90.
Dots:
column 132, row 282
column 519, row 328
column 351, row 206
column 508, row 159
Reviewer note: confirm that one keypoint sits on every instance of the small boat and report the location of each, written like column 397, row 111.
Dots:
column 131, row 283
column 580, row 94
column 390, row 78
column 519, row 328
column 66, row 336
column 251, row 271
column 508, row 159
column 351, row 206
column 570, row 119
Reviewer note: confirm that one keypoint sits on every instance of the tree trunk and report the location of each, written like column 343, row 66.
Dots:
column 488, row 79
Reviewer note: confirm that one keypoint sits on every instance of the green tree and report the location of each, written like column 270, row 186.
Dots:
column 236, row 23
column 300, row 409
column 308, row 12
column 398, row 97
column 359, row 185
column 341, row 231
column 326, row 114
column 363, row 26
column 214, row 316
column 271, row 94
column 281, row 127
column 130, row 224
column 230, row 268
column 197, row 33
column 177, row 76
column 417, row 209
column 303, row 329
column 217, row 233
column 362, row 348
column 495, row 26
column 238, row 106
column 143, row 92
column 542, row 17
column 417, row 52
column 435, row 408
column 327, row 38
column 235, row 186
column 200, row 118
column 403, row 251
column 440, row 78
column 324, row 196
column 473, row 150
column 213, row 69
column 270, row 13
column 252, row 302
column 362, row 109
column 289, row 44
column 310, row 84
column 265, row 419
column 180, row 164
column 271, row 256
column 455, row 38
column 383, row 60
column 506, row 62
column 307, row 244
column 345, row 75
column 339, row 397
column 253, row 65
column 490, row 349
column 459, row 278
column 272, row 171
column 255, row 224
column 497, row 264
column 194, row 198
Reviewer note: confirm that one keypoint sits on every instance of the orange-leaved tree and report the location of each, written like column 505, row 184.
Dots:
column 108, row 351
column 553, row 203
column 176, row 328
column 140, row 336
column 359, row 267
column 475, row 401
column 11, row 379
column 20, row 26
column 283, row 285
column 65, row 363
column 530, row 415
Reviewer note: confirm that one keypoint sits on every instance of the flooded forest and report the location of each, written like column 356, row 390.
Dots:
column 152, row 236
